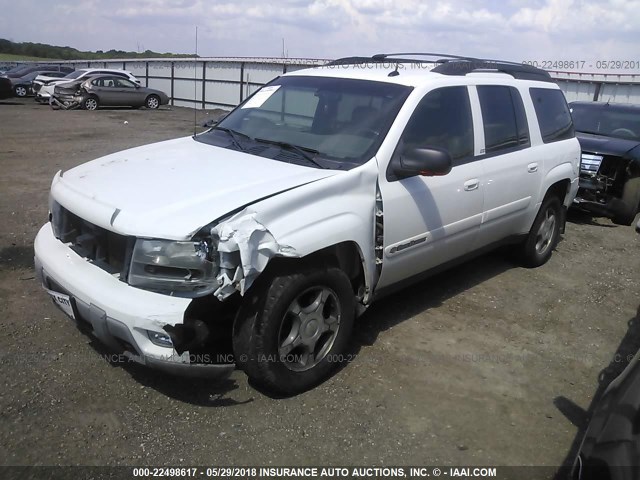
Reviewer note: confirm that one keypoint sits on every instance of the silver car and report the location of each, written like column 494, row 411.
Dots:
column 109, row 90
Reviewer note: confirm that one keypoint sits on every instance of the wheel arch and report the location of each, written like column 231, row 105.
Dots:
column 347, row 256
column 152, row 95
column 560, row 180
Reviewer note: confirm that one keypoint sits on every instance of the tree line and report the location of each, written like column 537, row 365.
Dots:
column 44, row 50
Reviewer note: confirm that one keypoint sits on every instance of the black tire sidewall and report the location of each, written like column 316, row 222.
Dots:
column 262, row 362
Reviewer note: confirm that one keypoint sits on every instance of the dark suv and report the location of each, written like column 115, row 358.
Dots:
column 609, row 136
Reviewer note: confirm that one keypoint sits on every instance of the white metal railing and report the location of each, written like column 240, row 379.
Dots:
column 223, row 82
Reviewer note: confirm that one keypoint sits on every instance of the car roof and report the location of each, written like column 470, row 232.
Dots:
column 101, row 75
column 118, row 70
column 414, row 75
column 420, row 69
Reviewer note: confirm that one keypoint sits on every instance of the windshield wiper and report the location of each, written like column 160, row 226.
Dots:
column 234, row 136
column 302, row 151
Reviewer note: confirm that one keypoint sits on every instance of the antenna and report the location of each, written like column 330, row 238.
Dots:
column 195, row 86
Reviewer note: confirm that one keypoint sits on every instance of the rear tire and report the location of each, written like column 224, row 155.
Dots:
column 152, row 102
column 293, row 329
column 631, row 202
column 90, row 103
column 544, row 234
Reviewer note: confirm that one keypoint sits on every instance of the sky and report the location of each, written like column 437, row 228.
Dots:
column 534, row 30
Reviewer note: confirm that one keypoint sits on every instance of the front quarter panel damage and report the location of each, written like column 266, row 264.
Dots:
column 296, row 224
column 245, row 246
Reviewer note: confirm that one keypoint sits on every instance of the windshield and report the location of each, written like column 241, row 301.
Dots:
column 606, row 120
column 32, row 75
column 335, row 122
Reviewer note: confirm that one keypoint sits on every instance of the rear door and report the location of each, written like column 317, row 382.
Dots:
column 512, row 175
column 429, row 221
column 105, row 89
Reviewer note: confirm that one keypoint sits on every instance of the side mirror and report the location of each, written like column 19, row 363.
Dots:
column 137, row 86
column 428, row 161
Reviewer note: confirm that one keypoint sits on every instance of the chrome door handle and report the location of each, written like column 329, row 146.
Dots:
column 472, row 184
column 532, row 168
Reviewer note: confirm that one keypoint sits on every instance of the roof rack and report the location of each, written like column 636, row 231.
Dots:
column 454, row 64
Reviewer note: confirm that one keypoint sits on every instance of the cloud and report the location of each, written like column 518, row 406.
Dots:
column 510, row 29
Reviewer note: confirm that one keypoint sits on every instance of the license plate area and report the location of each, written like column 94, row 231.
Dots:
column 63, row 302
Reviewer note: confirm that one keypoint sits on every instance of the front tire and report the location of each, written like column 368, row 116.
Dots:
column 90, row 103
column 20, row 91
column 152, row 102
column 292, row 331
column 630, row 203
column 544, row 234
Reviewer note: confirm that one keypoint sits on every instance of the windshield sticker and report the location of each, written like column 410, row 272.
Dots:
column 261, row 96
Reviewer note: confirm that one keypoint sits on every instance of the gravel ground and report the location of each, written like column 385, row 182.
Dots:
column 472, row 367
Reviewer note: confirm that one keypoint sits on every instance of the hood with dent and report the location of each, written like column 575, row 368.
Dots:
column 606, row 145
column 171, row 189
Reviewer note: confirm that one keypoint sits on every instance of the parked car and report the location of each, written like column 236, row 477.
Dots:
column 42, row 80
column 23, row 86
column 609, row 136
column 108, row 90
column 44, row 92
column 5, row 67
column 265, row 236
column 16, row 69
column 24, row 70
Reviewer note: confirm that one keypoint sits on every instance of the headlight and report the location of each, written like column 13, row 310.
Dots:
column 173, row 267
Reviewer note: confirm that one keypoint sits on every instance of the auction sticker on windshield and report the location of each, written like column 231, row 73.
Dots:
column 63, row 301
column 261, row 96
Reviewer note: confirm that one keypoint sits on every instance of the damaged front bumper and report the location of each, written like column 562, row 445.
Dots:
column 122, row 317
column 591, row 198
column 66, row 102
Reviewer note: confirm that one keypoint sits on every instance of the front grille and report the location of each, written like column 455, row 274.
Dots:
column 108, row 250
column 590, row 164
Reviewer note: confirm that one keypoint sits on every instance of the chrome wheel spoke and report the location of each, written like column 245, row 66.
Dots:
column 309, row 328
column 545, row 232
column 289, row 344
column 318, row 302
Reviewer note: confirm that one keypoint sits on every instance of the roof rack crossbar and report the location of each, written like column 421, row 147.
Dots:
column 421, row 54
column 454, row 64
column 516, row 70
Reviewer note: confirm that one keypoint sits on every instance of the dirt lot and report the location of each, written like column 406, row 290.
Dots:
column 472, row 367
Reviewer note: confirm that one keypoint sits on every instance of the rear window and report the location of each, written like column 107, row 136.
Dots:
column 505, row 123
column 553, row 114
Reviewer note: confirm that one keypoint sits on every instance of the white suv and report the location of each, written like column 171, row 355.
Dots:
column 256, row 243
column 44, row 86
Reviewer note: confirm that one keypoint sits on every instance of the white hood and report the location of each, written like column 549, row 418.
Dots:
column 171, row 189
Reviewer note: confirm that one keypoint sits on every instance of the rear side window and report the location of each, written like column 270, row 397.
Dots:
column 553, row 114
column 521, row 118
column 442, row 119
column 505, row 122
